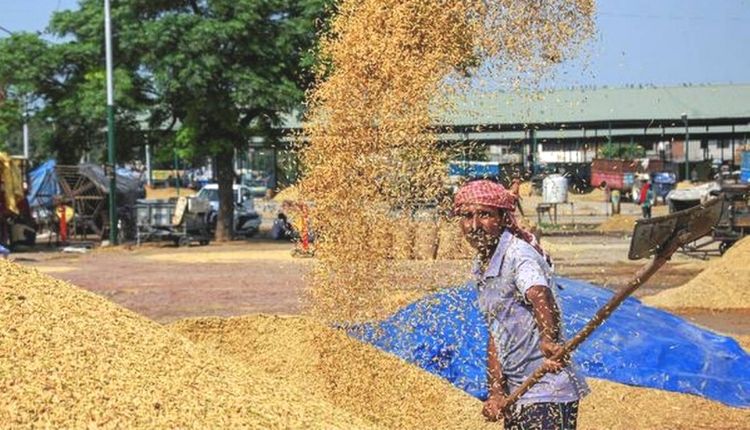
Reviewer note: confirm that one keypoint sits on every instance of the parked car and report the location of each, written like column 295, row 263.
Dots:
column 246, row 219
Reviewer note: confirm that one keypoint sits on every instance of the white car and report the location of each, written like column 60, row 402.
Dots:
column 246, row 220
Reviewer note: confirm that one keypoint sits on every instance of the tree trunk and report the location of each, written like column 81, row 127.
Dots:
column 225, row 179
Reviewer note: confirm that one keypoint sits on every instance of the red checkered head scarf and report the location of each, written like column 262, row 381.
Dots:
column 488, row 193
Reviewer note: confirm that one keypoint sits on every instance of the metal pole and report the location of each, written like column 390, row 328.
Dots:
column 687, row 147
column 110, row 128
column 148, row 165
column 25, row 137
column 176, row 172
column 534, row 150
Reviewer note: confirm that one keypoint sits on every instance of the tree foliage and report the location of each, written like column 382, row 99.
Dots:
column 625, row 151
column 202, row 76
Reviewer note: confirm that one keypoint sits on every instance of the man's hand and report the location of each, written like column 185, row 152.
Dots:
column 495, row 407
column 550, row 349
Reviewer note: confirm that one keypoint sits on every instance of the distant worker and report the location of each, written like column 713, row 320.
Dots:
column 518, row 299
column 607, row 196
column 647, row 199
column 693, row 175
column 282, row 229
column 615, row 198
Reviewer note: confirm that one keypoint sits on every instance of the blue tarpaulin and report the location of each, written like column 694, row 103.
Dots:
column 43, row 185
column 445, row 334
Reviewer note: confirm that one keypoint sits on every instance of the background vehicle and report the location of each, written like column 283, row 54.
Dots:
column 246, row 219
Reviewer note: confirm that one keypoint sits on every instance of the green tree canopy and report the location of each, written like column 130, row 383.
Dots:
column 202, row 76
column 625, row 151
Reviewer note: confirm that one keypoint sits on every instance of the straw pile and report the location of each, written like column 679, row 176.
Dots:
column 70, row 359
column 722, row 285
column 618, row 224
column 391, row 393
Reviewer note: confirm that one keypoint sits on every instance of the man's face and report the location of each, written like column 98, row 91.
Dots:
column 482, row 225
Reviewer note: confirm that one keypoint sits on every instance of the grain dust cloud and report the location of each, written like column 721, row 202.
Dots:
column 374, row 173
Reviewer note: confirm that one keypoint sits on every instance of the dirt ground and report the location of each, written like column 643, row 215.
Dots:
column 166, row 283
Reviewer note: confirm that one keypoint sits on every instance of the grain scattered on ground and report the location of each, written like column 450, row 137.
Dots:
column 210, row 257
column 55, row 269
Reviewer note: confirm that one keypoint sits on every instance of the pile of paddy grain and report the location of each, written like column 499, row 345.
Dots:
column 618, row 224
column 290, row 193
column 723, row 284
column 615, row 406
column 352, row 376
column 71, row 359
column 168, row 193
column 595, row 195
column 394, row 394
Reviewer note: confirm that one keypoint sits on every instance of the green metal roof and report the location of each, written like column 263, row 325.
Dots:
column 699, row 102
column 629, row 109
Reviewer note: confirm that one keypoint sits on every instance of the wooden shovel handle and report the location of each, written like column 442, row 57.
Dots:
column 643, row 274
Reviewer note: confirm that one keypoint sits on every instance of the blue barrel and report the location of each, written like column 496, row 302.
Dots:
column 665, row 178
column 745, row 164
column 745, row 176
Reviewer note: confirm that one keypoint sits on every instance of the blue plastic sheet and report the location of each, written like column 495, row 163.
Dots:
column 43, row 185
column 445, row 334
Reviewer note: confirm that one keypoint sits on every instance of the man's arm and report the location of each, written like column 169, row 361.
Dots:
column 494, row 406
column 495, row 370
column 547, row 318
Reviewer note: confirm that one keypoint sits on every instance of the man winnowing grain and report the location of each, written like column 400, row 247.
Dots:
column 518, row 299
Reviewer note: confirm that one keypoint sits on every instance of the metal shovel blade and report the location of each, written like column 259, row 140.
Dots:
column 650, row 235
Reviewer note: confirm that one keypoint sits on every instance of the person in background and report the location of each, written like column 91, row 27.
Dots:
column 607, row 196
column 282, row 229
column 615, row 198
column 518, row 298
column 647, row 199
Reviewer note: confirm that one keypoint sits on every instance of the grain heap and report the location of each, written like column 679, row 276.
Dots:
column 595, row 195
column 168, row 192
column 352, row 376
column 723, row 284
column 618, row 224
column 71, row 359
column 393, row 394
column 289, row 193
column 370, row 158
